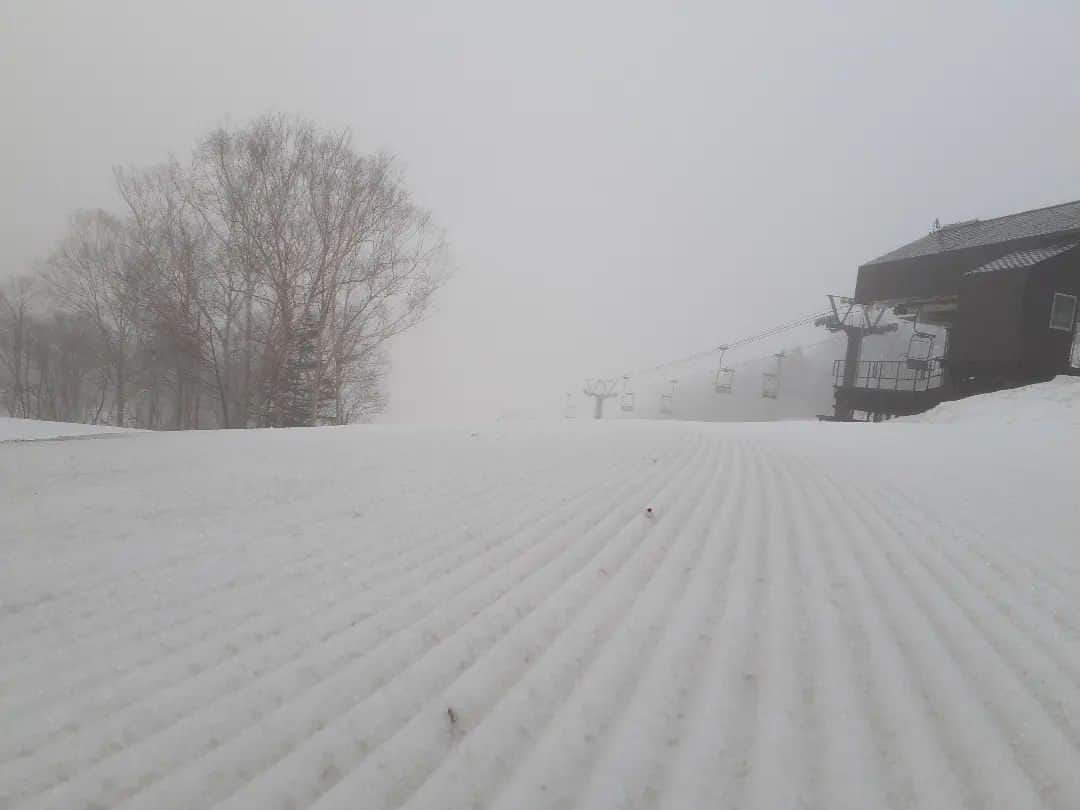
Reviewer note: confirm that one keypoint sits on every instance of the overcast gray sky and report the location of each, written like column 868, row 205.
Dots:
column 621, row 182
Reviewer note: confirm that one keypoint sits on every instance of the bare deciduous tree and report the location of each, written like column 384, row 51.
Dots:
column 263, row 280
column 96, row 274
column 16, row 299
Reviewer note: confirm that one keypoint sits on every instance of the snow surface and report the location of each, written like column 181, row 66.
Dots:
column 816, row 616
column 1057, row 401
column 12, row 429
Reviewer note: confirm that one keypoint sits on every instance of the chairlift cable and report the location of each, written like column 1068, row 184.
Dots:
column 805, row 320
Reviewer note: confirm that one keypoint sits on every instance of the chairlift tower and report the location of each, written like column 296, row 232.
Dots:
column 856, row 321
column 600, row 390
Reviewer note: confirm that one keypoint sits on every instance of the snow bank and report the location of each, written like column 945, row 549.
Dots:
column 1057, row 401
column 25, row 430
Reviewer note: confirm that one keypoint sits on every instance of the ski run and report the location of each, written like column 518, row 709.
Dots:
column 812, row 616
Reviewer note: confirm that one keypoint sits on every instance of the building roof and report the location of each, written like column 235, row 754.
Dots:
column 1020, row 259
column 1063, row 218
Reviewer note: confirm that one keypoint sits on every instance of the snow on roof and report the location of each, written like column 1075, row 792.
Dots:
column 1063, row 218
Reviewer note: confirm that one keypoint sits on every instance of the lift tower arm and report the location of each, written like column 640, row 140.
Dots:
column 600, row 390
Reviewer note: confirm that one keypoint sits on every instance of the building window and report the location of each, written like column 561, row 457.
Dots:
column 1063, row 312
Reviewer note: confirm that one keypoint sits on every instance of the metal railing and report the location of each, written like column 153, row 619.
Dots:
column 891, row 375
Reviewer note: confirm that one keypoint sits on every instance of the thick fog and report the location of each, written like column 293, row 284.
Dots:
column 620, row 183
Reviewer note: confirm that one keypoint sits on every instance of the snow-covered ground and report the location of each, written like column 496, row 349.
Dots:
column 22, row 430
column 1057, row 401
column 816, row 616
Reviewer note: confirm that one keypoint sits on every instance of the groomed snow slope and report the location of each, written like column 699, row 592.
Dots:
column 818, row 615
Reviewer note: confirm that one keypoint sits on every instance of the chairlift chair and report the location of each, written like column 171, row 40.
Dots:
column 770, row 380
column 770, row 385
column 725, row 380
column 667, row 400
column 626, row 401
column 725, row 377
column 920, row 348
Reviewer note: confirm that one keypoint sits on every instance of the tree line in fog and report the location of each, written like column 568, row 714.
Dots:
column 256, row 285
